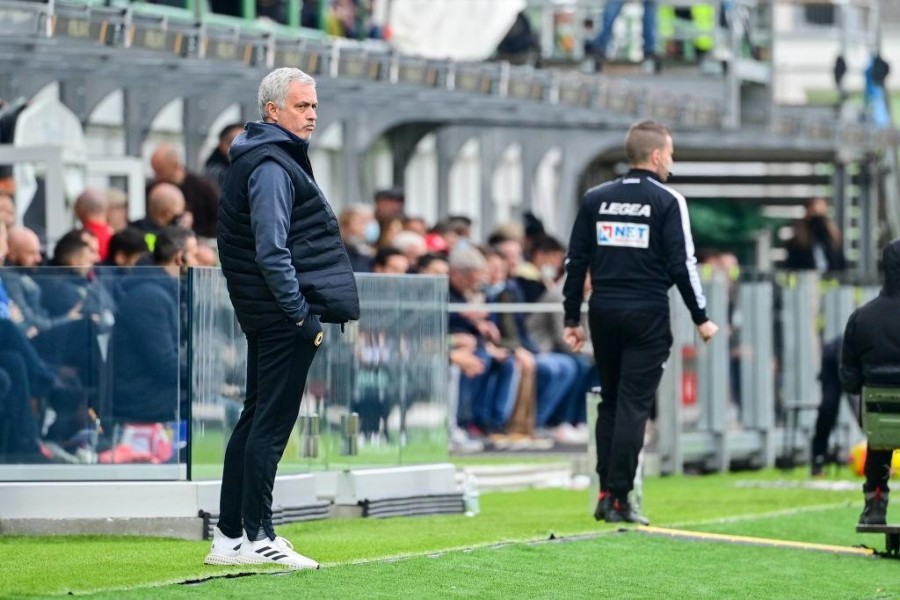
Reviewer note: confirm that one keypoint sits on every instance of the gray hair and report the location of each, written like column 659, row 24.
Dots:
column 274, row 87
column 467, row 258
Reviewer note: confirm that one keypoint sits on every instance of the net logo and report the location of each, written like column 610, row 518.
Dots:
column 624, row 235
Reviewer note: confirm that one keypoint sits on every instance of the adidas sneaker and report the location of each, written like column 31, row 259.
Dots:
column 225, row 550
column 278, row 551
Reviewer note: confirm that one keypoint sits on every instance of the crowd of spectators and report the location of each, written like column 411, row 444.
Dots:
column 96, row 323
column 91, row 340
column 519, row 385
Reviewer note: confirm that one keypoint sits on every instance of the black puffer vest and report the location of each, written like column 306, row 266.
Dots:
column 323, row 269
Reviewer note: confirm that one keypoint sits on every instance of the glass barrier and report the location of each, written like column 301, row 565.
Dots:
column 376, row 394
column 93, row 374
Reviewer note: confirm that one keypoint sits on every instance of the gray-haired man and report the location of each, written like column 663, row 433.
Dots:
column 286, row 270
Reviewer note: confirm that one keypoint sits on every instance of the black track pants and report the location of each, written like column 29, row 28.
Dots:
column 278, row 361
column 630, row 348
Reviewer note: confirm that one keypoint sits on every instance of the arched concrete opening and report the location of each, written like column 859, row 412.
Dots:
column 546, row 182
column 506, row 199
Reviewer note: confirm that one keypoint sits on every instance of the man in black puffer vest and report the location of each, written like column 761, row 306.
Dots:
column 287, row 270
column 871, row 356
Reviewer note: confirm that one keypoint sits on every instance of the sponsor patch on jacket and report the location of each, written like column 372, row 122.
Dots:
column 625, row 235
column 626, row 209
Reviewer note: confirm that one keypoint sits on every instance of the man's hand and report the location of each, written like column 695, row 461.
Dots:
column 707, row 329
column 470, row 364
column 574, row 337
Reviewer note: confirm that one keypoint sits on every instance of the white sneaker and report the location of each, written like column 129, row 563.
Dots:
column 278, row 551
column 225, row 550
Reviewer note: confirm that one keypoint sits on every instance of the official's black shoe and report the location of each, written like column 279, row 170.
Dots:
column 875, row 512
column 604, row 500
column 622, row 512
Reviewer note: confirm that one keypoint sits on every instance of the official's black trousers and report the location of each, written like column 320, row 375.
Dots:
column 278, row 361
column 630, row 348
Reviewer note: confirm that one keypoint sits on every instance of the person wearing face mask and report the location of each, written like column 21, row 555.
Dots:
column 816, row 244
column 359, row 232
column 634, row 235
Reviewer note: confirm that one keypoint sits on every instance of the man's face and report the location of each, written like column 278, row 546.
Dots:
column 395, row 265
column 664, row 160
column 436, row 267
column 299, row 113
column 25, row 252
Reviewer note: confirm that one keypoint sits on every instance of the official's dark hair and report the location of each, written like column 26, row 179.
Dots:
column 68, row 245
column 129, row 241
column 643, row 138
column 170, row 241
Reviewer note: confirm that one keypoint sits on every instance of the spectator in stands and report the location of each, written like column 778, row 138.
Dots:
column 200, row 194
column 520, row 43
column 19, row 439
column 91, row 209
column 126, row 248
column 388, row 230
column 77, row 285
column 546, row 329
column 149, row 383
column 554, row 374
column 442, row 237
column 389, row 205
column 359, row 231
column 816, row 244
column 434, row 263
column 412, row 245
column 24, row 291
column 507, row 239
column 216, row 167
column 461, row 226
column 871, row 357
column 24, row 248
column 415, row 224
column 341, row 19
column 165, row 206
column 521, row 414
column 485, row 400
column 390, row 261
column 599, row 45
column 117, row 209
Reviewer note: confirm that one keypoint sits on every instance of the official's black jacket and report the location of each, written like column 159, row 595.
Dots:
column 871, row 349
column 279, row 241
column 635, row 237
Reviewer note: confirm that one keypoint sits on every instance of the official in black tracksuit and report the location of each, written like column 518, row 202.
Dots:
column 634, row 237
column 286, row 270
column 871, row 356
